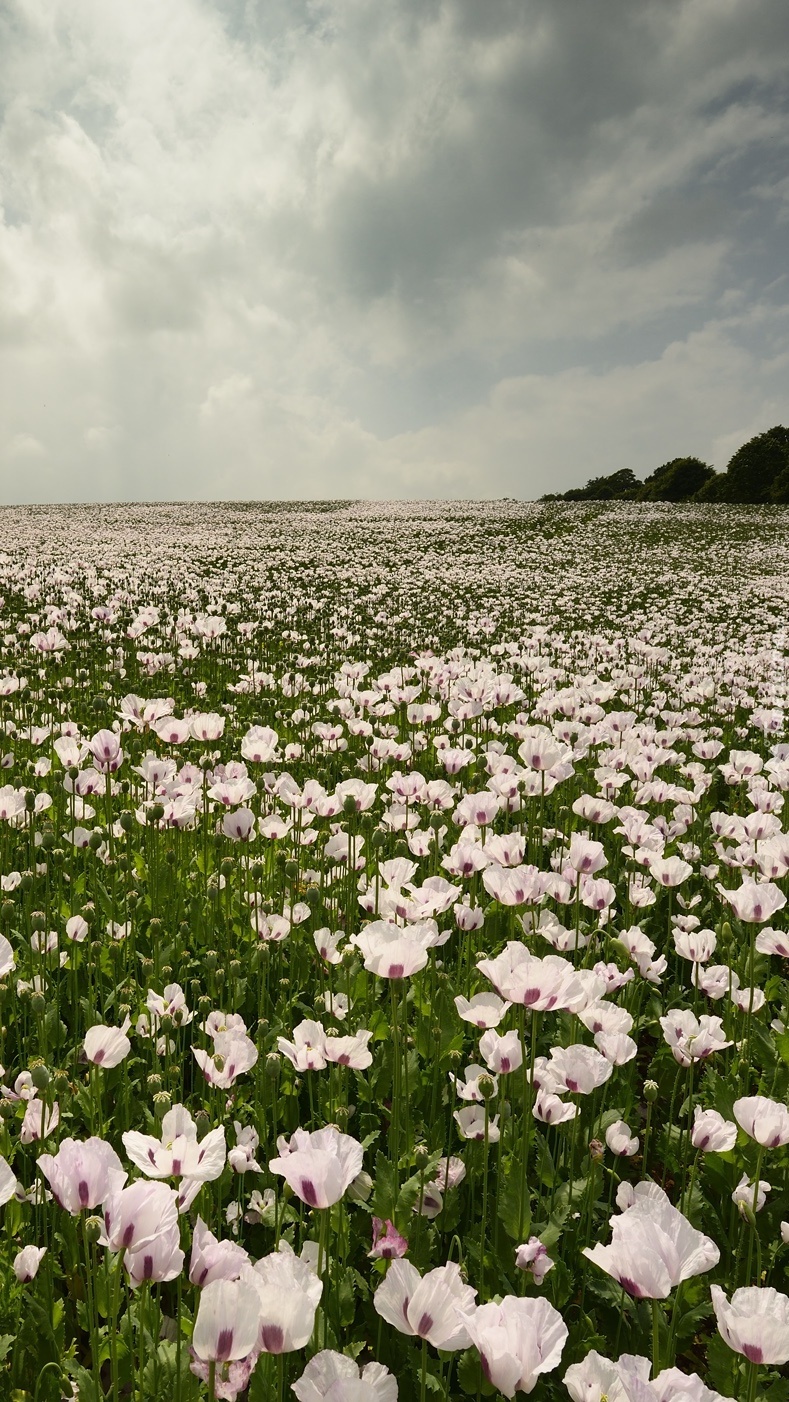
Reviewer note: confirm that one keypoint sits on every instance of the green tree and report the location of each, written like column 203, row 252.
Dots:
column 756, row 466
column 676, row 480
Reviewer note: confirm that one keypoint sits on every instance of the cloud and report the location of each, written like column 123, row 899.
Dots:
column 334, row 248
column 24, row 445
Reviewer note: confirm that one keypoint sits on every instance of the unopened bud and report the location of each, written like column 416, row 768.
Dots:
column 93, row 1229
column 161, row 1103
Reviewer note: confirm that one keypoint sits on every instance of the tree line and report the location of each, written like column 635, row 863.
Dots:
column 757, row 473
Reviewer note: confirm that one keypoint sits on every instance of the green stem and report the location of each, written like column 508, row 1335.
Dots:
column 484, row 1221
column 655, row 1339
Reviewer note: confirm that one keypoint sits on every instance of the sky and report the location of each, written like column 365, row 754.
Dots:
column 256, row 249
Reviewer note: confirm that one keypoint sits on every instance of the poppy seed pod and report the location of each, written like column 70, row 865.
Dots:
column 40, row 1077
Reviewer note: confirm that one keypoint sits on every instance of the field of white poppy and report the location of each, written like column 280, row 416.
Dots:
column 393, row 952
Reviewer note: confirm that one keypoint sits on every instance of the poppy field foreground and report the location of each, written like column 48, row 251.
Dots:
column 394, row 952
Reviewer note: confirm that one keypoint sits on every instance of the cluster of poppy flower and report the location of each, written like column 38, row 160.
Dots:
column 362, row 1030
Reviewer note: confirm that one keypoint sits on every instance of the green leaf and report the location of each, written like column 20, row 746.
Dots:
column 509, row 1206
column 382, row 1203
column 346, row 1295
column 470, row 1375
column 721, row 1365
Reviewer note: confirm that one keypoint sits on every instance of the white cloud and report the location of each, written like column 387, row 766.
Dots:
column 24, row 445
column 238, row 242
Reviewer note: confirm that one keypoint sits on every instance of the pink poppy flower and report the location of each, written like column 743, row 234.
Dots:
column 765, row 1120
column 517, row 1340
column 337, row 1377
column 107, row 1046
column 319, row 1167
column 433, row 1307
column 653, row 1247
column 289, row 1293
column 82, row 1174
column 755, row 1322
column 227, row 1325
column 388, row 1243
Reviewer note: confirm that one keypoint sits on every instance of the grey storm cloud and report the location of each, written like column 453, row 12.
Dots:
column 339, row 248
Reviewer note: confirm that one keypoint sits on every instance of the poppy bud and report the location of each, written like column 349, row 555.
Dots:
column 161, row 1103
column 38, row 1003
column 93, row 1229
